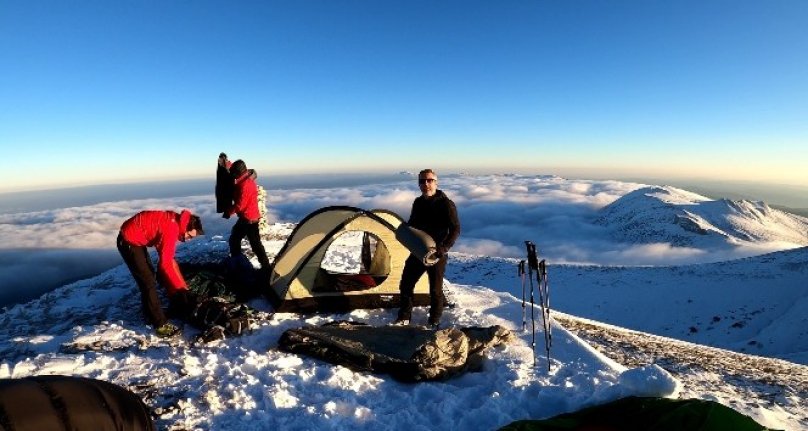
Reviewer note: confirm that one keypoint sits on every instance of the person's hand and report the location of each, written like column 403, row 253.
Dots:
column 440, row 252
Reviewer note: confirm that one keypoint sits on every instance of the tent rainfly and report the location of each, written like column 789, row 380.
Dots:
column 298, row 283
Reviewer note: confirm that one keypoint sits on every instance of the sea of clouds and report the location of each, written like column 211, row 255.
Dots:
column 42, row 249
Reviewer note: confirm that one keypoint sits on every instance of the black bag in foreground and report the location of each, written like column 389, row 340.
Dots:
column 70, row 403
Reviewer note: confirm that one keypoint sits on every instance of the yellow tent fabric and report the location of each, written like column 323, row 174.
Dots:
column 298, row 283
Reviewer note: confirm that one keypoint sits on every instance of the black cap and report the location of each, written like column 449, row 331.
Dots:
column 237, row 168
column 195, row 223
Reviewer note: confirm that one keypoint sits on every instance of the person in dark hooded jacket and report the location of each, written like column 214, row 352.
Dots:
column 161, row 230
column 434, row 213
column 245, row 206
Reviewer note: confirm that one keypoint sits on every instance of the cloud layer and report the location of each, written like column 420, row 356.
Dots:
column 497, row 213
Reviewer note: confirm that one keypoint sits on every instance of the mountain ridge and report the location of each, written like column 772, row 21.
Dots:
column 654, row 214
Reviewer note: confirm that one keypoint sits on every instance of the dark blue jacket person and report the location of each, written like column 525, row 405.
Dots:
column 434, row 213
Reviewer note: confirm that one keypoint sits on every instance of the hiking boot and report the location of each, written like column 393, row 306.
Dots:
column 401, row 322
column 433, row 323
column 167, row 330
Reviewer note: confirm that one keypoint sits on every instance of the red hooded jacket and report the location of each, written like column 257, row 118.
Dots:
column 245, row 198
column 161, row 230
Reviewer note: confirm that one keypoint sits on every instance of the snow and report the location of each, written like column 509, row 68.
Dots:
column 94, row 328
column 247, row 383
column 755, row 305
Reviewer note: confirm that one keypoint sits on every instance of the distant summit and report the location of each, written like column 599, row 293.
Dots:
column 685, row 219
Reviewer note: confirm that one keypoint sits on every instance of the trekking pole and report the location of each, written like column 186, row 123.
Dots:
column 522, row 276
column 546, row 284
column 544, row 298
column 532, row 263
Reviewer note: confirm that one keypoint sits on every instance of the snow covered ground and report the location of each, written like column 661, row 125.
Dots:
column 756, row 304
column 744, row 382
column 93, row 328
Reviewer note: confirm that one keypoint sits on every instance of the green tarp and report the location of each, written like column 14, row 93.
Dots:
column 645, row 414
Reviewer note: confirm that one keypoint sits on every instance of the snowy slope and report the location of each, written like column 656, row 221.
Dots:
column 93, row 328
column 666, row 214
column 756, row 305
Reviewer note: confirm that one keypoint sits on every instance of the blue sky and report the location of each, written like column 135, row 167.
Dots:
column 100, row 92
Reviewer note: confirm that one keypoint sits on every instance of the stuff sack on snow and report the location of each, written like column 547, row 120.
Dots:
column 645, row 414
column 407, row 353
column 70, row 403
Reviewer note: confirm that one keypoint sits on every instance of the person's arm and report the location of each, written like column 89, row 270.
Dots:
column 232, row 208
column 454, row 228
column 248, row 197
column 238, row 201
column 413, row 216
column 168, row 272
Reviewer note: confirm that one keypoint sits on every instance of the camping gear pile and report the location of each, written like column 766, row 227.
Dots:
column 217, row 293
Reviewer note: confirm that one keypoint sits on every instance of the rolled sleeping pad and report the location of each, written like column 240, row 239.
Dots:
column 70, row 403
column 418, row 242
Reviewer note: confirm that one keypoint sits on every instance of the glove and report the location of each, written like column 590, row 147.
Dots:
column 226, row 215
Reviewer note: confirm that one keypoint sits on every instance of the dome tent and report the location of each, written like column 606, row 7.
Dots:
column 298, row 283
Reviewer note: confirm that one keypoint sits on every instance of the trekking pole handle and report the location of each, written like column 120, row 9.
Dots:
column 532, row 259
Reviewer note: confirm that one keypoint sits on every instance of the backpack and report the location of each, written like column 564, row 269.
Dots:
column 234, row 318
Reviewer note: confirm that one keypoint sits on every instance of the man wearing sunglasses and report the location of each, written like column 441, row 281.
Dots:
column 434, row 213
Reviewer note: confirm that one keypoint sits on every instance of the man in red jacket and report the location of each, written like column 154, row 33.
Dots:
column 162, row 230
column 245, row 205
